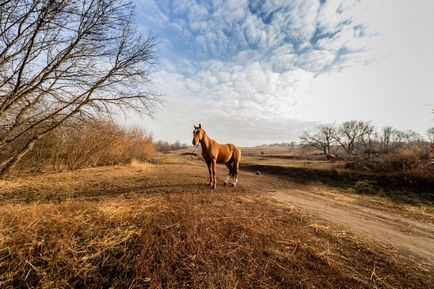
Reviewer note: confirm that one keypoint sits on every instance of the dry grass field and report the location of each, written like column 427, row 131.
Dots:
column 160, row 226
column 88, row 199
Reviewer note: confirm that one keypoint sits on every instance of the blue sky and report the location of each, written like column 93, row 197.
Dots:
column 256, row 72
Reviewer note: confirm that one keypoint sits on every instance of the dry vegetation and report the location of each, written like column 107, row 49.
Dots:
column 141, row 226
column 365, row 148
column 67, row 61
column 145, row 226
column 81, row 145
column 128, row 227
column 414, row 157
column 404, row 176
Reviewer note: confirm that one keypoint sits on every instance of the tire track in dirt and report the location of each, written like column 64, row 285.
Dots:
column 379, row 225
column 410, row 235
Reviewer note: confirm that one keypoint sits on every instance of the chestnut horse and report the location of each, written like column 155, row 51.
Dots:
column 214, row 153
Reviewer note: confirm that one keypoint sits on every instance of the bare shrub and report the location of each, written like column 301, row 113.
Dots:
column 409, row 157
column 364, row 187
column 91, row 144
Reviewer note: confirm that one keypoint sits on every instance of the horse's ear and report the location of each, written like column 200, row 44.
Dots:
column 200, row 126
column 194, row 126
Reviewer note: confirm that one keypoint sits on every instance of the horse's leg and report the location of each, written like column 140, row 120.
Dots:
column 210, row 173
column 236, row 168
column 229, row 165
column 235, row 175
column 213, row 169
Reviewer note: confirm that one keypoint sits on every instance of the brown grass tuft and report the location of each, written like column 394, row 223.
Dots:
column 183, row 241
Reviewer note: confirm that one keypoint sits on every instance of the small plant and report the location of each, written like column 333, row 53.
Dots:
column 364, row 187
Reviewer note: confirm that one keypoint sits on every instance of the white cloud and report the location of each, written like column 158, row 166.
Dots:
column 245, row 98
column 249, row 68
column 335, row 13
column 315, row 60
column 256, row 87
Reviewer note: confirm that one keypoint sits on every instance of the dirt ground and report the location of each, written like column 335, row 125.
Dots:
column 409, row 228
column 402, row 234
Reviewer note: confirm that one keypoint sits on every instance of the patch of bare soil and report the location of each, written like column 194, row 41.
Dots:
column 401, row 187
column 160, row 226
column 410, row 233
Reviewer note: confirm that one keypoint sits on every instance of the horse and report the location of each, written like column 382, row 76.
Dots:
column 214, row 153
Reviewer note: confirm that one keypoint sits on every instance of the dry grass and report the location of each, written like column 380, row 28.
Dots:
column 82, row 145
column 131, row 227
column 183, row 241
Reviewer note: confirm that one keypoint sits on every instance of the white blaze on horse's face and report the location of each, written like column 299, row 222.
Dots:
column 197, row 135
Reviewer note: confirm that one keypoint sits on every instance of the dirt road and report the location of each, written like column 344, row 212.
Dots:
column 401, row 232
column 162, row 225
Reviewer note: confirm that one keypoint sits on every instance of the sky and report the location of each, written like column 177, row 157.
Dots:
column 256, row 72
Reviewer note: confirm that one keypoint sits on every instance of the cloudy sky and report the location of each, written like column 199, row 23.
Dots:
column 255, row 72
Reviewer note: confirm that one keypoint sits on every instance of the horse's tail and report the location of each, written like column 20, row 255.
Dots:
column 237, row 159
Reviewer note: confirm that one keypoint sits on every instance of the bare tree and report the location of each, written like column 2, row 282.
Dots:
column 350, row 133
column 162, row 146
column 367, row 138
column 323, row 139
column 408, row 136
column 391, row 139
column 430, row 134
column 64, row 59
column 387, row 140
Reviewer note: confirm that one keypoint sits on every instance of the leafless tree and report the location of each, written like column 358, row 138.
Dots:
column 430, row 134
column 392, row 139
column 368, row 138
column 65, row 59
column 162, row 146
column 350, row 133
column 409, row 135
column 388, row 140
column 323, row 139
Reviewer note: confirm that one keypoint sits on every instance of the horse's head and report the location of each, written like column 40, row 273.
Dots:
column 198, row 134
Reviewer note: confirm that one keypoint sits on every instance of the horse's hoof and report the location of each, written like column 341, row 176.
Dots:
column 234, row 185
column 225, row 183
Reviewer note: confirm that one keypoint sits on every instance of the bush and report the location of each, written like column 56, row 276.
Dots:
column 409, row 157
column 75, row 146
column 412, row 156
column 364, row 187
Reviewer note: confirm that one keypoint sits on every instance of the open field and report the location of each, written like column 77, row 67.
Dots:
column 160, row 226
column 400, row 186
column 100, row 99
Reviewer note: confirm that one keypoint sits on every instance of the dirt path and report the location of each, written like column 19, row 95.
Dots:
column 385, row 226
column 163, row 224
column 382, row 226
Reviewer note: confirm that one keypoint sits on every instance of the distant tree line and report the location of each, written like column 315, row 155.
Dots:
column 164, row 146
column 360, row 137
